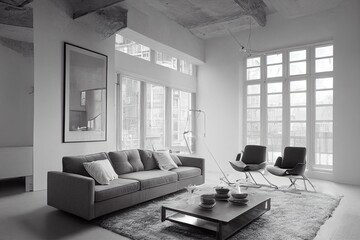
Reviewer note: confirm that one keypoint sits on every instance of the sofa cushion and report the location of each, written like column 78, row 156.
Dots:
column 74, row 164
column 101, row 171
column 116, row 188
column 151, row 178
column 148, row 159
column 164, row 160
column 126, row 161
column 187, row 172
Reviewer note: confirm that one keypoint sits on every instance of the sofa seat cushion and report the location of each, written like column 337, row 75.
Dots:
column 151, row 178
column 187, row 172
column 116, row 188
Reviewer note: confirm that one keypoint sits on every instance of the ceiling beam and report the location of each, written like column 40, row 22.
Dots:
column 106, row 21
column 82, row 8
column 21, row 17
column 255, row 9
column 15, row 3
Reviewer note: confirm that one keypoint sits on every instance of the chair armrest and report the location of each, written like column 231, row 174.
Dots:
column 193, row 162
column 299, row 169
column 278, row 162
column 238, row 157
column 72, row 193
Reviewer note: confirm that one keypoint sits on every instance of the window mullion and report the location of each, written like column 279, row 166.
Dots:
column 142, row 114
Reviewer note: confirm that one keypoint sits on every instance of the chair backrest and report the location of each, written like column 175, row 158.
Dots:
column 254, row 154
column 293, row 156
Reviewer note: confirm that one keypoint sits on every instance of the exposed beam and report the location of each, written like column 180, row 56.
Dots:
column 84, row 7
column 106, row 21
column 15, row 3
column 255, row 9
column 21, row 17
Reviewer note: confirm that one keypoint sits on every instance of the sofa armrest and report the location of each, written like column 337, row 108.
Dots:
column 193, row 162
column 72, row 193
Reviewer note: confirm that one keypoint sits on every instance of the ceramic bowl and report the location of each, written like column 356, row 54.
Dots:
column 238, row 195
column 222, row 190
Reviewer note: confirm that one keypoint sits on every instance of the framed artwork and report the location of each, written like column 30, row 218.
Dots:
column 85, row 95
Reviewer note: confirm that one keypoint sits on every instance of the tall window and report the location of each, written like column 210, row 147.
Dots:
column 253, row 101
column 324, row 106
column 132, row 48
column 130, row 116
column 181, row 119
column 289, row 102
column 155, row 117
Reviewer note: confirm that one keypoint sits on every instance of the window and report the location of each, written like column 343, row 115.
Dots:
column 186, row 67
column 289, row 102
column 181, row 119
column 143, row 112
column 166, row 60
column 130, row 137
column 155, row 117
column 132, row 48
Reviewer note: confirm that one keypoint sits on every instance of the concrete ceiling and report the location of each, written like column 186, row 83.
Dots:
column 212, row 18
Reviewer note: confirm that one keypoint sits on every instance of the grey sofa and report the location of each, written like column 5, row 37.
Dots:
column 73, row 190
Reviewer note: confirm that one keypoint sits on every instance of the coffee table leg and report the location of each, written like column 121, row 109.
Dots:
column 163, row 214
column 219, row 232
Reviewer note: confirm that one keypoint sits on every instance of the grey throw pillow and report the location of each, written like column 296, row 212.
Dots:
column 176, row 159
column 164, row 161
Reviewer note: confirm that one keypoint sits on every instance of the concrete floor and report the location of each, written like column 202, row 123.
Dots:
column 26, row 215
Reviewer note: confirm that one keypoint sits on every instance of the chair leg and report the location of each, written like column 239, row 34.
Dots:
column 271, row 184
column 293, row 181
column 305, row 184
column 307, row 179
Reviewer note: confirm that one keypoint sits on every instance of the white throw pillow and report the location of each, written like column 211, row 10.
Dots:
column 164, row 161
column 101, row 171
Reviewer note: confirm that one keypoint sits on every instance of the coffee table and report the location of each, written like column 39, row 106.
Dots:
column 225, row 218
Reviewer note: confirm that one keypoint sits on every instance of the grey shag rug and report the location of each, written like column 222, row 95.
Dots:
column 295, row 216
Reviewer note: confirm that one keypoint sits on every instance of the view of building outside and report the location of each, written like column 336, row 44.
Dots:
column 132, row 48
column 180, row 119
column 130, row 137
column 186, row 67
column 155, row 117
column 166, row 60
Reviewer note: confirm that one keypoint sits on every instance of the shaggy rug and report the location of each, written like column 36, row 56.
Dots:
column 292, row 216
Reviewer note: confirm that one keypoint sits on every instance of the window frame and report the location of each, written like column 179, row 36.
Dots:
column 286, row 79
column 143, row 116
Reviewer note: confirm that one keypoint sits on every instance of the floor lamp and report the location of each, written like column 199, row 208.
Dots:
column 188, row 132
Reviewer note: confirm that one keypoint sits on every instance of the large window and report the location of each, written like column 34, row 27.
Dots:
column 154, row 116
column 130, row 137
column 181, row 119
column 289, row 102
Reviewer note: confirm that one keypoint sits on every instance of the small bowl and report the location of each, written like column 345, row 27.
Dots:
column 239, row 195
column 222, row 190
column 207, row 196
column 207, row 201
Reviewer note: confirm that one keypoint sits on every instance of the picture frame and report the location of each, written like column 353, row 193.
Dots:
column 85, row 95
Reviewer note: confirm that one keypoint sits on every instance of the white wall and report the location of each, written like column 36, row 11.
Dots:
column 16, row 99
column 152, row 72
column 218, row 95
column 166, row 34
column 340, row 25
column 51, row 28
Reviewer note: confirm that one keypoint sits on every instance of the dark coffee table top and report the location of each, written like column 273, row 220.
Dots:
column 223, row 211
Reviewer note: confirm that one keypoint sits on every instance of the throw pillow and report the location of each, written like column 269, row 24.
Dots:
column 164, row 161
column 101, row 171
column 176, row 159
